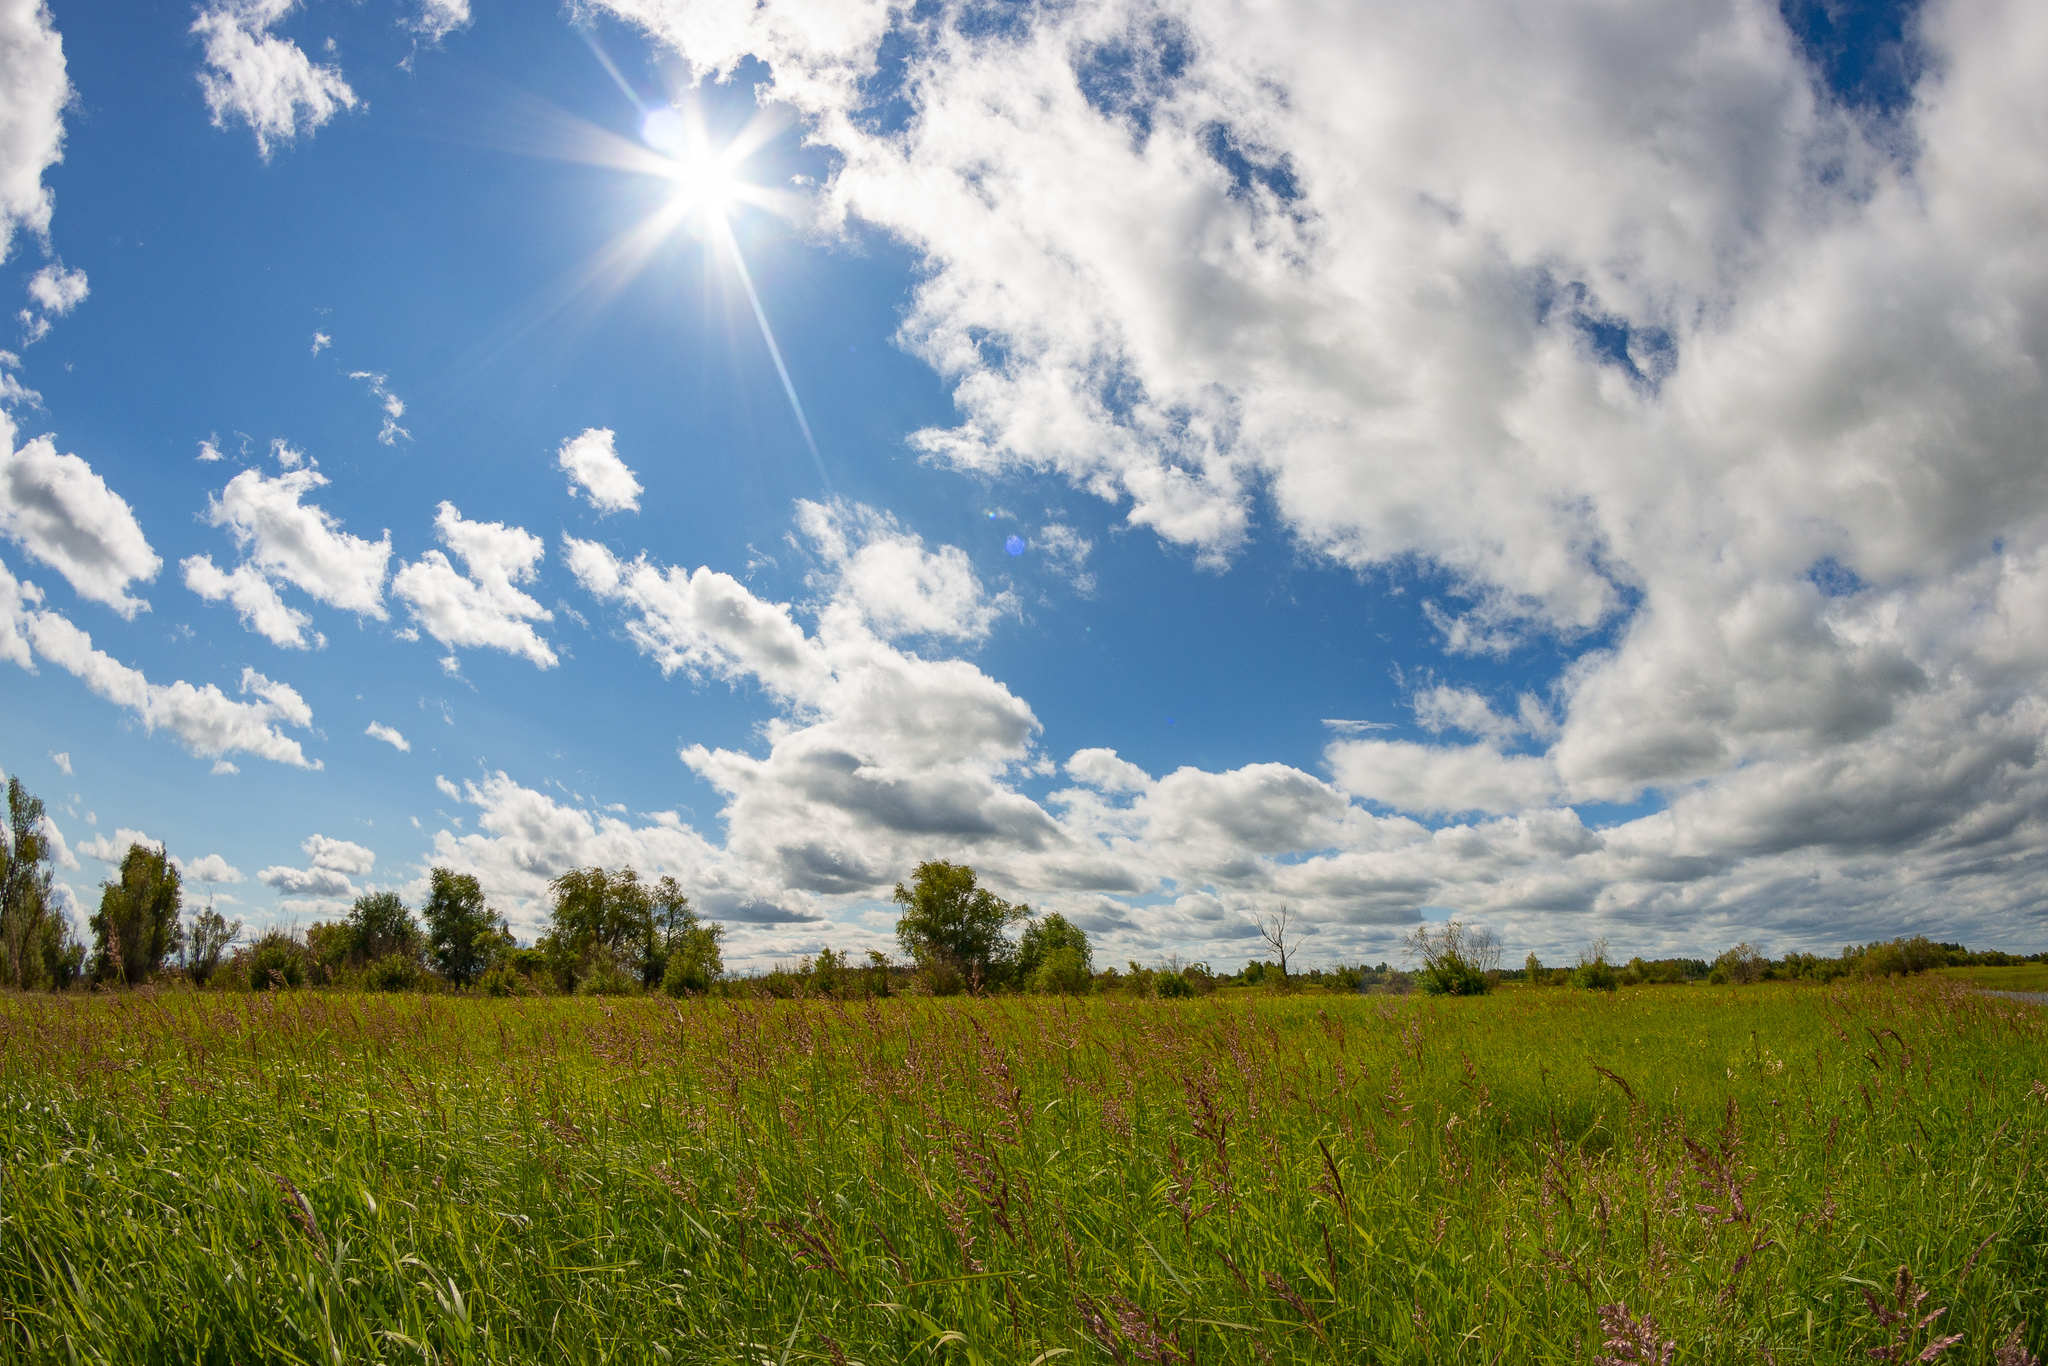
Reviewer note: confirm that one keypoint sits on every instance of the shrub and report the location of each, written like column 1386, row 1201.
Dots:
column 393, row 972
column 1741, row 965
column 1598, row 975
column 502, row 979
column 276, row 959
column 1456, row 961
column 1062, row 971
column 1171, row 986
column 605, row 975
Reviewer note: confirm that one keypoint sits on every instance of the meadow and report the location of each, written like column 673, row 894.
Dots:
column 1774, row 1173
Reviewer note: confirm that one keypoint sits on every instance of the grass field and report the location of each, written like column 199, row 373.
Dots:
column 321, row 1177
column 2023, row 977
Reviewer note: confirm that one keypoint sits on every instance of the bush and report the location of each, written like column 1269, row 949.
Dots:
column 1171, row 986
column 1062, row 971
column 392, row 972
column 1456, row 961
column 1742, row 965
column 605, row 975
column 276, row 959
column 502, row 979
column 1598, row 975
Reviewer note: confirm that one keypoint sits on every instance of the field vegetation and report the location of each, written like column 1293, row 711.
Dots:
column 402, row 1136
column 1776, row 1173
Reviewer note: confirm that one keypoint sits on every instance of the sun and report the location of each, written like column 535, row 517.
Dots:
column 704, row 177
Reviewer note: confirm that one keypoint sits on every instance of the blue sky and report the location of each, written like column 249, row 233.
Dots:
column 1614, row 428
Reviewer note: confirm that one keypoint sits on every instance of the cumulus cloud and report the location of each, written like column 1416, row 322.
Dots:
column 209, row 722
column 1676, row 364
column 262, row 80
column 64, row 515
column 525, row 837
column 33, row 92
column 57, row 290
column 593, row 465
column 392, row 404
column 255, row 598
column 318, row 882
column 321, row 341
column 389, row 735
column 59, row 850
column 286, row 540
column 210, row 868
column 873, row 567
column 113, row 848
column 484, row 606
column 340, row 856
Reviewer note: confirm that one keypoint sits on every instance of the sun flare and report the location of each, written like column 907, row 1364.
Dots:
column 705, row 177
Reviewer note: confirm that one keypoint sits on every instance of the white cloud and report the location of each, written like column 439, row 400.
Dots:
column 1102, row 769
column 222, row 768
column 263, row 80
column 254, row 597
column 393, row 406
column 285, row 539
column 209, row 452
column 484, row 608
column 18, row 601
column 113, row 848
column 12, row 390
column 57, row 290
column 1442, row 778
column 319, row 882
column 59, row 850
column 874, row 567
column 592, row 462
column 1066, row 551
column 321, row 341
column 1641, row 345
column 63, row 514
column 389, row 735
column 62, row 760
column 206, row 720
column 33, row 92
column 211, row 868
column 340, row 856
column 436, row 20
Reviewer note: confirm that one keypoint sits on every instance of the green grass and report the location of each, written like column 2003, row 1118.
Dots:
column 2025, row 977
column 1317, row 1179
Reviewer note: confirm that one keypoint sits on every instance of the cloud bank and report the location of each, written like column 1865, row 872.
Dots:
column 1657, row 353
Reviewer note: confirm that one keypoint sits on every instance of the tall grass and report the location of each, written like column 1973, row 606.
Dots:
column 343, row 1178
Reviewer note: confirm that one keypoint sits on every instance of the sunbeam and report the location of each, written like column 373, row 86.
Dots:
column 739, row 262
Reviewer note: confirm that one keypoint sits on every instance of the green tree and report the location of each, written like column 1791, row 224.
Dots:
column 953, row 928
column 380, row 925
column 1053, row 955
column 686, row 960
column 138, row 926
column 602, row 924
column 205, row 942
column 464, row 935
column 27, row 908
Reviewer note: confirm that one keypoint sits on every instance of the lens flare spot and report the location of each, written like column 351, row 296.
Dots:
column 664, row 130
column 1015, row 545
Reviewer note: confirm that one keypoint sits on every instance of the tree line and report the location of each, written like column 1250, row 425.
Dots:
column 612, row 932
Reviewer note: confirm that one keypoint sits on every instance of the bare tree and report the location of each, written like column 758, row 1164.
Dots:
column 1273, row 929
